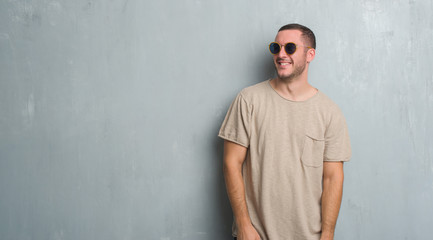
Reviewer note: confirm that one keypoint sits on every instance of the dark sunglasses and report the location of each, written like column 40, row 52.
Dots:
column 290, row 47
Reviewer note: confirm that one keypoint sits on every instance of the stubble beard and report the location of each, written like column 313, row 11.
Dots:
column 297, row 71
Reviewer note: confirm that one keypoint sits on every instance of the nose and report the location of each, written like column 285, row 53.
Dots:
column 282, row 52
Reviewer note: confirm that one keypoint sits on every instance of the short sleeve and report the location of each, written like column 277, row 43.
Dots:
column 337, row 142
column 236, row 125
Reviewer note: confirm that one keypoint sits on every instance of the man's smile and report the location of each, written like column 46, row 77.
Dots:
column 284, row 62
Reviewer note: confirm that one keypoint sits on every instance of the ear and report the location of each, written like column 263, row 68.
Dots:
column 311, row 53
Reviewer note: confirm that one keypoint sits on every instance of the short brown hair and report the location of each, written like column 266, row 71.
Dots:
column 307, row 34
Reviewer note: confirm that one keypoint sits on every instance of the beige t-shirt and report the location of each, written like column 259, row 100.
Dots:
column 287, row 143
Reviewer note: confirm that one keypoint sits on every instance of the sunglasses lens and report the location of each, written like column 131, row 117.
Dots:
column 274, row 48
column 290, row 48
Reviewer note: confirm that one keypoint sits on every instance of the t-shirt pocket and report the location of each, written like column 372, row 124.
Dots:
column 312, row 153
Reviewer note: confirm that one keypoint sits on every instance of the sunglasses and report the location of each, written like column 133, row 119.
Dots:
column 290, row 48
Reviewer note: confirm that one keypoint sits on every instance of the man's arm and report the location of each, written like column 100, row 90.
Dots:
column 333, row 177
column 234, row 156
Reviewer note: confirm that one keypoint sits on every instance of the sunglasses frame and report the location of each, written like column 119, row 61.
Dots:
column 284, row 47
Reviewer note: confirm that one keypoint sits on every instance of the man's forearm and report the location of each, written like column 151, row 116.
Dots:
column 234, row 156
column 331, row 201
column 236, row 194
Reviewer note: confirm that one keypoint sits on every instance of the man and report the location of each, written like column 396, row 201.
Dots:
column 285, row 144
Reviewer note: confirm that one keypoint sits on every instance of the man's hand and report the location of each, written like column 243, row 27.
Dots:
column 327, row 236
column 248, row 233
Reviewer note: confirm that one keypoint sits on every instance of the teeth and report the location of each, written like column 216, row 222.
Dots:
column 283, row 64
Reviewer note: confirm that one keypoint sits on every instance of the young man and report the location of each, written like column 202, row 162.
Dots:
column 285, row 144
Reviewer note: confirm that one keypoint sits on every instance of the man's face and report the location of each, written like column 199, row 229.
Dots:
column 290, row 66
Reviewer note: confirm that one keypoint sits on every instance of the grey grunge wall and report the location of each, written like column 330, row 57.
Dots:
column 109, row 112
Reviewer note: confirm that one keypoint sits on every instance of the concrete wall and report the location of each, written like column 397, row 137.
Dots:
column 109, row 112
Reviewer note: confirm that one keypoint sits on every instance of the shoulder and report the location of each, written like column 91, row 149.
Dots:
column 332, row 114
column 329, row 110
column 327, row 103
column 255, row 91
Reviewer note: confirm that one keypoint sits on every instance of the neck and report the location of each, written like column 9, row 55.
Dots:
column 297, row 89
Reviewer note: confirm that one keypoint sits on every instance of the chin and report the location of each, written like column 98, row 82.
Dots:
column 284, row 76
